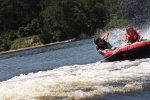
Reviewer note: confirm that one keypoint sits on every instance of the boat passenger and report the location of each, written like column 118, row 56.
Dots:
column 102, row 45
column 131, row 35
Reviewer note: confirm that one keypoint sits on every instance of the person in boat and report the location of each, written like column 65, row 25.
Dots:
column 102, row 46
column 131, row 35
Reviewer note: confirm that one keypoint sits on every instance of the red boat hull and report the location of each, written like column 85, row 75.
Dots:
column 129, row 52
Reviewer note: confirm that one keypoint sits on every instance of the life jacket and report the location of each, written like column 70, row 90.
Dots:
column 133, row 38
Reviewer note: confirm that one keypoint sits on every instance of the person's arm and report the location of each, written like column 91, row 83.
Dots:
column 102, row 52
column 139, row 34
column 99, row 51
column 105, row 36
column 126, row 40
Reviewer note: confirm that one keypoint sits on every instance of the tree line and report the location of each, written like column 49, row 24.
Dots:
column 25, row 23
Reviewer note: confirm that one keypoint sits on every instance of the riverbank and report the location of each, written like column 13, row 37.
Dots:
column 34, row 49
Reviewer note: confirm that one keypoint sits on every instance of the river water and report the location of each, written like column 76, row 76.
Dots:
column 74, row 72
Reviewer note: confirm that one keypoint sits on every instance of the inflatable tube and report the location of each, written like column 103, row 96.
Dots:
column 129, row 52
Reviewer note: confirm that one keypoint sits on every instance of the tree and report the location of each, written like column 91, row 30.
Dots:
column 16, row 13
column 71, row 18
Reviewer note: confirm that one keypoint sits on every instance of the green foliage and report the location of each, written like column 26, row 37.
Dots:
column 26, row 42
column 58, row 36
column 5, row 44
column 136, row 11
column 84, row 36
column 31, row 29
column 6, row 40
column 10, row 35
column 45, row 38
column 74, row 17
column 116, row 22
column 15, row 13
column 57, row 20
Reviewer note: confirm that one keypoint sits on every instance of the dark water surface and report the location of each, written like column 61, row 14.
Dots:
column 78, row 52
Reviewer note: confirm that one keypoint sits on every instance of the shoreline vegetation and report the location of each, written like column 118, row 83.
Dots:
column 30, row 23
column 36, row 47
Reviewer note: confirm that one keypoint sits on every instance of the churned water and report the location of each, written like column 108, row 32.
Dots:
column 75, row 72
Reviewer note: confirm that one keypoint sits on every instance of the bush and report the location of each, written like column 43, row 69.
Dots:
column 45, row 38
column 26, row 42
column 5, row 45
column 31, row 29
column 6, row 40
column 83, row 36
column 10, row 35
